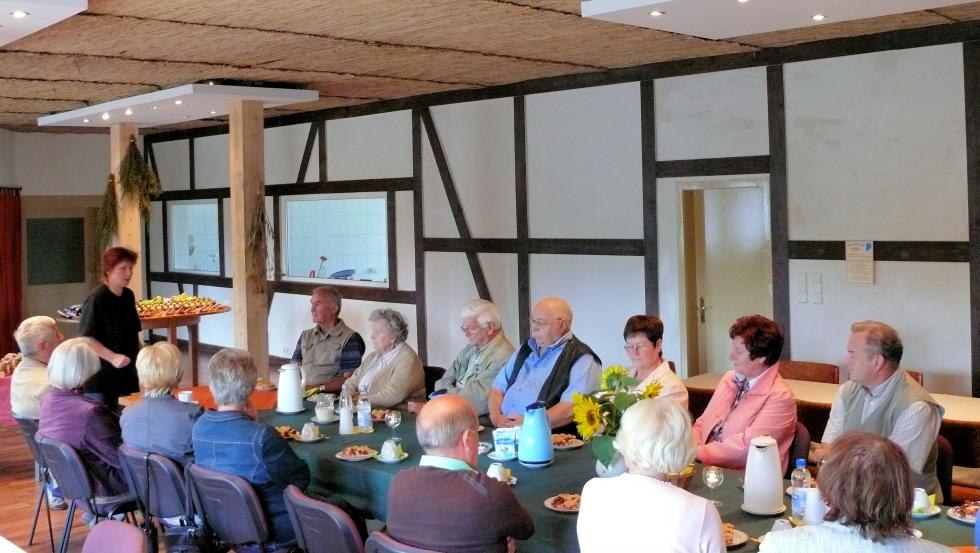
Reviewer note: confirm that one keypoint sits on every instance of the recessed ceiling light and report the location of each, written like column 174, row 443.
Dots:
column 154, row 107
column 657, row 13
column 818, row 17
column 214, row 112
column 105, row 116
column 210, row 83
column 19, row 14
column 129, row 111
column 178, row 102
column 742, row 1
column 85, row 120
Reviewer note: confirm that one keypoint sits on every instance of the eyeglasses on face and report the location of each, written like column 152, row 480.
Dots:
column 468, row 329
column 635, row 348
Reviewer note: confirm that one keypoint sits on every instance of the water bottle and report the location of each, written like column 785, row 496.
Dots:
column 345, row 412
column 800, row 480
column 364, row 412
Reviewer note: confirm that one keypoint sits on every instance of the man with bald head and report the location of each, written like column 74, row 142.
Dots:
column 465, row 510
column 549, row 367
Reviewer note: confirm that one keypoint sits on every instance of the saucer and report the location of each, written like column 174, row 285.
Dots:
column 313, row 441
column 535, row 464
column 378, row 457
column 932, row 511
column 328, row 421
column 764, row 514
column 497, row 457
column 290, row 412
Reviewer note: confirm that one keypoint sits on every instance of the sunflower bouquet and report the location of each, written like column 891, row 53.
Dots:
column 597, row 415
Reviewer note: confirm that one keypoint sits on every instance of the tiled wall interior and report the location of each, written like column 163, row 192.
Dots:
column 351, row 233
column 194, row 236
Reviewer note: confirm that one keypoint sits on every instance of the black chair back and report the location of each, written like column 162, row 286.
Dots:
column 157, row 482
column 432, row 375
column 799, row 448
column 28, row 428
column 381, row 542
column 321, row 527
column 228, row 504
column 67, row 467
column 944, row 468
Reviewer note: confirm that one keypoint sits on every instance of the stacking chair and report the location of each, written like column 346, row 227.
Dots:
column 115, row 536
column 917, row 376
column 799, row 448
column 321, row 527
column 229, row 506
column 810, row 371
column 76, row 485
column 28, row 428
column 158, row 484
column 944, row 468
column 432, row 375
column 381, row 542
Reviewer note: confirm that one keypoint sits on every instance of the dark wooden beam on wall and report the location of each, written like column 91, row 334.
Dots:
column 390, row 207
column 651, row 170
column 708, row 167
column 304, row 162
column 293, row 189
column 192, row 172
column 321, row 128
column 455, row 205
column 277, row 271
column 221, row 237
column 523, row 224
column 366, row 293
column 779, row 203
column 943, row 252
column 971, row 79
column 165, row 226
column 418, row 205
column 539, row 246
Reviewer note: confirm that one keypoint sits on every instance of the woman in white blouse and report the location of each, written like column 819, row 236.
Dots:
column 644, row 345
column 392, row 374
column 640, row 510
column 867, row 483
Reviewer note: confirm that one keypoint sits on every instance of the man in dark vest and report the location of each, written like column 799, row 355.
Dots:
column 330, row 351
column 883, row 399
column 548, row 367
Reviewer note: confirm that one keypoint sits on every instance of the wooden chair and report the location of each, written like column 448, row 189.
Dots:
column 810, row 371
column 917, row 376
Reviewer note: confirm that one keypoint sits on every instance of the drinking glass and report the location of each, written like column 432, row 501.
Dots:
column 713, row 477
column 393, row 418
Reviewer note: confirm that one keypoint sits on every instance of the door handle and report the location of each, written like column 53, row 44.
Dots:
column 702, row 308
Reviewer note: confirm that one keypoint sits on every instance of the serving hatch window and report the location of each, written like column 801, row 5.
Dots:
column 193, row 236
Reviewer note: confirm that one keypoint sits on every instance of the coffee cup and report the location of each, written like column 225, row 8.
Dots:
column 815, row 507
column 310, row 432
column 499, row 472
column 920, row 500
column 391, row 450
column 186, row 396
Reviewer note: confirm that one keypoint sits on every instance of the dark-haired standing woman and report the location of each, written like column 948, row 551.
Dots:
column 109, row 316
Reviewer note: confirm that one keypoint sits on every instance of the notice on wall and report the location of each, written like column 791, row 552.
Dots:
column 860, row 257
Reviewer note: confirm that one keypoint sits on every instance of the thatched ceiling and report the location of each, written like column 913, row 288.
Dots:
column 352, row 51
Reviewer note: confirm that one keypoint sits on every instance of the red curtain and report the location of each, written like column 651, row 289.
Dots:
column 11, row 255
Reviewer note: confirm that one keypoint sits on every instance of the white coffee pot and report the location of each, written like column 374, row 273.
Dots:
column 763, row 478
column 290, row 398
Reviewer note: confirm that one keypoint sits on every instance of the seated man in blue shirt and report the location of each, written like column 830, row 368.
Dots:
column 548, row 367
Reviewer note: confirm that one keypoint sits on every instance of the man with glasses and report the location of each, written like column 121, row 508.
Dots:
column 471, row 374
column 550, row 366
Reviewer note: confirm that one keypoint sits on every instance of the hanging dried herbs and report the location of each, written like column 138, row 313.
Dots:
column 137, row 180
column 108, row 221
column 259, row 230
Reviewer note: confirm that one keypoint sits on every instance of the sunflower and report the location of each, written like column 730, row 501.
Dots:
column 613, row 377
column 652, row 390
column 585, row 411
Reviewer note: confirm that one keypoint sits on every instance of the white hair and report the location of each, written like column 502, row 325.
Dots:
column 655, row 436
column 72, row 363
column 233, row 376
column 485, row 312
column 32, row 331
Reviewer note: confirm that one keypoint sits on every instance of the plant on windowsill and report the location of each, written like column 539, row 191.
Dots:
column 598, row 415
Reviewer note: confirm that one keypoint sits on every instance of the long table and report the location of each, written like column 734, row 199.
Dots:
column 365, row 484
column 961, row 421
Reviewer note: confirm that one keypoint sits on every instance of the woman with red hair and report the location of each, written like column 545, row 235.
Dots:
column 109, row 317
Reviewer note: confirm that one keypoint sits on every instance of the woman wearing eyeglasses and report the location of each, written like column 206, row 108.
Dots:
column 644, row 346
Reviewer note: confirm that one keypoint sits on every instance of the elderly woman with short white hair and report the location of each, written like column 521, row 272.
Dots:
column 159, row 423
column 81, row 422
column 392, row 374
column 616, row 513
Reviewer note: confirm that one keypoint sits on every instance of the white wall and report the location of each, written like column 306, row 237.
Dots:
column 6, row 158
column 370, row 147
column 48, row 164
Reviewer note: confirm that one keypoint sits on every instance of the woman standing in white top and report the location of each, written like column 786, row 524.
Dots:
column 644, row 346
column 641, row 510
column 867, row 482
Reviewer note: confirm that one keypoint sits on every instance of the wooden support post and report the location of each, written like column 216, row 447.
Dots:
column 246, row 173
column 130, row 232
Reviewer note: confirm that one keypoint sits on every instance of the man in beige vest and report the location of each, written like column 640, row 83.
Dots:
column 883, row 399
column 330, row 351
